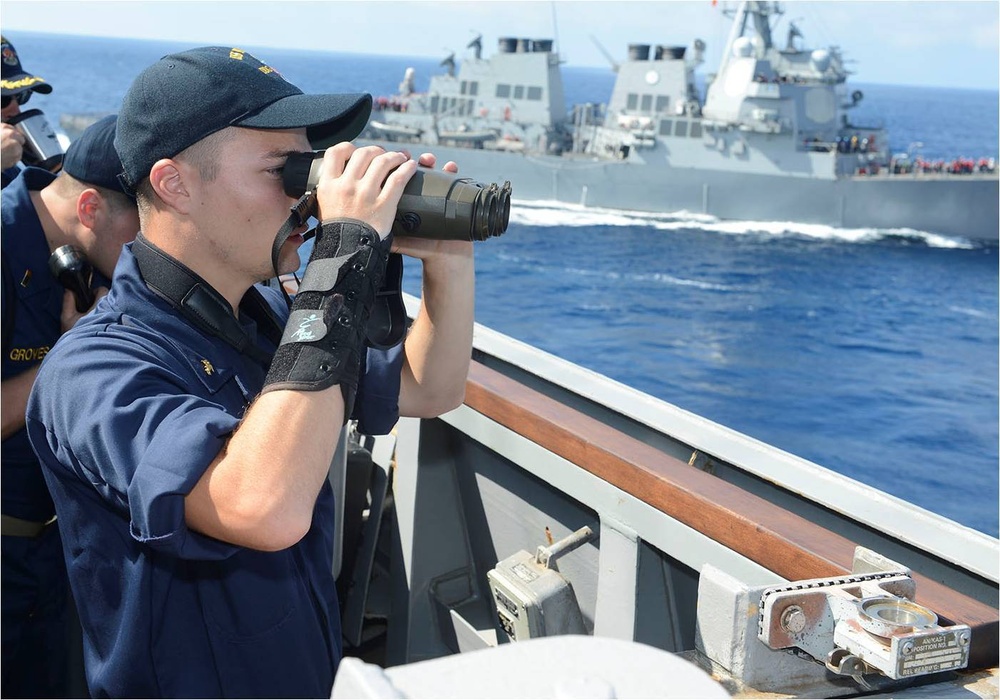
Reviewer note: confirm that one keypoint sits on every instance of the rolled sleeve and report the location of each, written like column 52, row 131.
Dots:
column 176, row 457
column 136, row 432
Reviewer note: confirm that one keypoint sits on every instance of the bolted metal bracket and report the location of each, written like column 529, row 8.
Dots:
column 863, row 623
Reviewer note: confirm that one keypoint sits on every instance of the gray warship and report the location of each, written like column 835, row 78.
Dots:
column 772, row 140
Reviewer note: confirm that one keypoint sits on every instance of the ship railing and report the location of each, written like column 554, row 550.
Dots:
column 767, row 126
column 791, row 546
column 851, row 164
column 815, row 144
column 539, row 436
column 690, row 488
column 958, row 169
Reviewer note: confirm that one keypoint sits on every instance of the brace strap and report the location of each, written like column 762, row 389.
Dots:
column 325, row 334
column 387, row 323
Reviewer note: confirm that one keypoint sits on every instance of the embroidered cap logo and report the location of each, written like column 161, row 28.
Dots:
column 240, row 54
column 9, row 55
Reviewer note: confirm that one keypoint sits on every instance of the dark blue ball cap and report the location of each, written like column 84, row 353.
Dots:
column 92, row 158
column 184, row 97
column 14, row 79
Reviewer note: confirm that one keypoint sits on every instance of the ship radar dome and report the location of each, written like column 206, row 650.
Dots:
column 742, row 48
column 820, row 60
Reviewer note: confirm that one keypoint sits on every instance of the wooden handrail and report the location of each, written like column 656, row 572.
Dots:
column 777, row 539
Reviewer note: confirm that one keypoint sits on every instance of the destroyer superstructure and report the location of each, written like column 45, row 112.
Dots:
column 772, row 140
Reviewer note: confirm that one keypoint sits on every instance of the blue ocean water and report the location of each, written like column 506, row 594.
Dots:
column 869, row 354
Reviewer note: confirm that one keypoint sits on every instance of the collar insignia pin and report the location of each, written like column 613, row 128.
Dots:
column 207, row 366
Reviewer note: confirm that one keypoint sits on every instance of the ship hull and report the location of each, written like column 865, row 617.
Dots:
column 964, row 207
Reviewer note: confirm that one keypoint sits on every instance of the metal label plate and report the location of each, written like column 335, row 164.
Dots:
column 931, row 653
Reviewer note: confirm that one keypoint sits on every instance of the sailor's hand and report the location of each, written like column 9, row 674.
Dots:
column 364, row 184
column 69, row 315
column 420, row 247
column 11, row 146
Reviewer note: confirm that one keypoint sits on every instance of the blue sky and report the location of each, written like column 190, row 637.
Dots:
column 954, row 43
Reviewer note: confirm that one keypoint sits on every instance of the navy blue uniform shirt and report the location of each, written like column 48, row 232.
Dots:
column 8, row 176
column 36, row 303
column 128, row 411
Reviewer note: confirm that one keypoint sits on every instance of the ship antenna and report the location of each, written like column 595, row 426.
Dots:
column 477, row 46
column 611, row 60
column 555, row 27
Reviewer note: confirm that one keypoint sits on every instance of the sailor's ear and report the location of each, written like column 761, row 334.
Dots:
column 167, row 178
column 88, row 206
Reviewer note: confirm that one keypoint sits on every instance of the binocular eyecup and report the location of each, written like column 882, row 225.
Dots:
column 434, row 204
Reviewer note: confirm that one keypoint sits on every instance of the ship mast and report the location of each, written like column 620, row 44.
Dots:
column 760, row 12
column 735, row 32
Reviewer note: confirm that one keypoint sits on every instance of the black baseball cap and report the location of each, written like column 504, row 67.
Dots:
column 184, row 97
column 13, row 78
column 92, row 158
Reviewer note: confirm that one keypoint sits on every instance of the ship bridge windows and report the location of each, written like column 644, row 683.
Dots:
column 682, row 128
column 647, row 104
column 450, row 105
column 470, row 87
column 519, row 92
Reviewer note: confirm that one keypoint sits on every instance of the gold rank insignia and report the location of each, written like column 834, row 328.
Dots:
column 207, row 366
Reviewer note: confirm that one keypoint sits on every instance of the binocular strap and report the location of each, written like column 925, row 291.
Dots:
column 200, row 303
column 298, row 216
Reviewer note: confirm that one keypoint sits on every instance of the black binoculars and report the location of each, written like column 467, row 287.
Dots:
column 435, row 204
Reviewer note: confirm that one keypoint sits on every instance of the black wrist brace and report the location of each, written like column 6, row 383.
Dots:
column 325, row 333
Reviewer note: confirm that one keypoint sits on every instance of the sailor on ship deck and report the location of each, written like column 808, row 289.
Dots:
column 185, row 438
